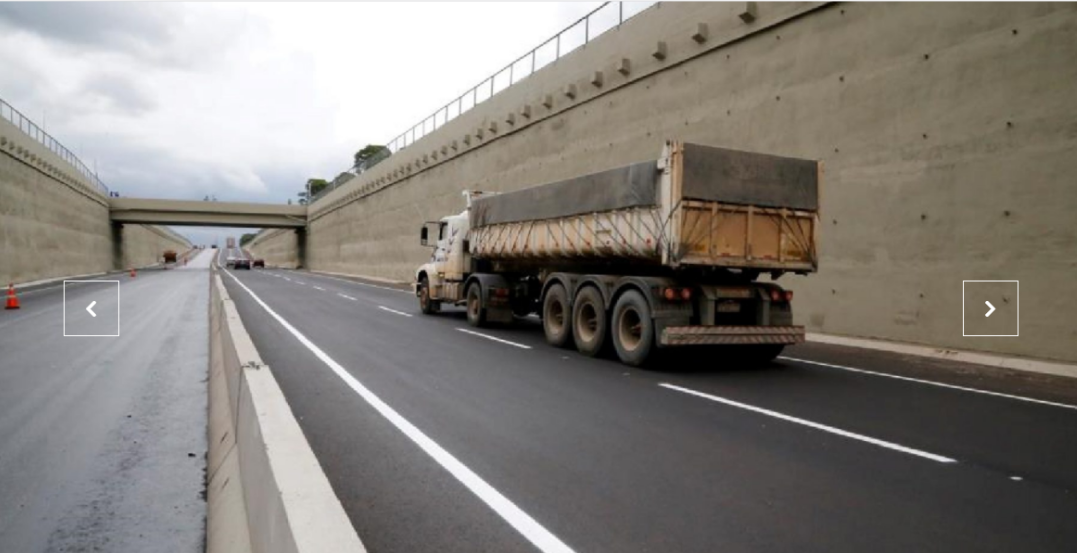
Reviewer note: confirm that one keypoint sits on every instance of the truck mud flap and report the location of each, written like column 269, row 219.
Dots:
column 709, row 335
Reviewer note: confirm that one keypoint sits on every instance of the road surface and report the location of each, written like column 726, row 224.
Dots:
column 102, row 439
column 438, row 438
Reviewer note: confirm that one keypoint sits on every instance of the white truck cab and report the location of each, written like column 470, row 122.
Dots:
column 442, row 278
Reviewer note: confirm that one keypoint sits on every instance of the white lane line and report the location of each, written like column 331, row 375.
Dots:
column 932, row 383
column 288, row 279
column 383, row 308
column 300, row 282
column 319, row 288
column 815, row 425
column 494, row 338
column 347, row 297
column 528, row 527
column 368, row 285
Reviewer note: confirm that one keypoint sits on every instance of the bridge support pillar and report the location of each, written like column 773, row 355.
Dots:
column 117, row 246
column 301, row 247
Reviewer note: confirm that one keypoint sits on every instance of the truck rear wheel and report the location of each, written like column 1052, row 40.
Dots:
column 427, row 305
column 589, row 322
column 633, row 328
column 476, row 312
column 557, row 317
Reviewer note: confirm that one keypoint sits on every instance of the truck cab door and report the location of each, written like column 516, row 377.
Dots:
column 443, row 247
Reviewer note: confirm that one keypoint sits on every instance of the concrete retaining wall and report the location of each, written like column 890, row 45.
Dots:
column 53, row 223
column 278, row 247
column 266, row 491
column 145, row 244
column 948, row 132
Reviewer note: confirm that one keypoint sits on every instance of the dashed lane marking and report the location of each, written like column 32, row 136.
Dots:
column 810, row 424
column 383, row 308
column 494, row 338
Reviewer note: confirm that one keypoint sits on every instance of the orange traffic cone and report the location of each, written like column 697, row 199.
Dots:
column 132, row 272
column 12, row 300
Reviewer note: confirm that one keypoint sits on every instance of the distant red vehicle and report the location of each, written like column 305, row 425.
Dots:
column 260, row 263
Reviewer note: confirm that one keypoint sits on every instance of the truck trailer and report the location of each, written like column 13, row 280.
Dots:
column 656, row 254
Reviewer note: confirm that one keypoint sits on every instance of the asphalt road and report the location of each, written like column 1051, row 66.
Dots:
column 102, row 439
column 438, row 439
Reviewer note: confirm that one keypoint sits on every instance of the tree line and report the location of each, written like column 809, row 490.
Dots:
column 367, row 157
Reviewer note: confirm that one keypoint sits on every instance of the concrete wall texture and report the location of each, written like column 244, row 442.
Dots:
column 948, row 133
column 54, row 224
column 278, row 247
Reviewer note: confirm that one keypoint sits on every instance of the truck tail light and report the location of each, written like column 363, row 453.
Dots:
column 501, row 292
column 675, row 294
column 779, row 295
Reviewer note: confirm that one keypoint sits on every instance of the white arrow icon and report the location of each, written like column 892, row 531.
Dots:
column 89, row 309
column 992, row 309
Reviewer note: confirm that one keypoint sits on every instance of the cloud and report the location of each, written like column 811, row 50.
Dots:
column 247, row 101
column 120, row 92
column 114, row 26
column 170, row 34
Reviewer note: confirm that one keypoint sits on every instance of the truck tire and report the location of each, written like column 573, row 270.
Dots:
column 476, row 311
column 589, row 322
column 632, row 328
column 427, row 305
column 557, row 317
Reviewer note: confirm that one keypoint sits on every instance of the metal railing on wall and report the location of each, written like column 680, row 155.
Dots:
column 607, row 16
column 28, row 127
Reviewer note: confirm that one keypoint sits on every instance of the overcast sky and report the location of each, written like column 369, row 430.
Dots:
column 246, row 101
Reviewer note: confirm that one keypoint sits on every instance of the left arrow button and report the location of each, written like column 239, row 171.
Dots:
column 89, row 309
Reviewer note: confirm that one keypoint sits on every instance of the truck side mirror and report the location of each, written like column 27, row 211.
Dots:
column 423, row 236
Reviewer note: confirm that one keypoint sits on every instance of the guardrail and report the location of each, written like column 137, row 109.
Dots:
column 609, row 15
column 15, row 117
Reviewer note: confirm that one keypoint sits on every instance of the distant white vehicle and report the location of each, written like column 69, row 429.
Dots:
column 230, row 262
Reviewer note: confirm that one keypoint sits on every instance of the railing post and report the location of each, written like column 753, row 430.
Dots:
column 587, row 29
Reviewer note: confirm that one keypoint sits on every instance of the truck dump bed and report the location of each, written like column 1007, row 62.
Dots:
column 695, row 206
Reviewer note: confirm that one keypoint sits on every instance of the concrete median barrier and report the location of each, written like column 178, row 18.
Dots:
column 266, row 491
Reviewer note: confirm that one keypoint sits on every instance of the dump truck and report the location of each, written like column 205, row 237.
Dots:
column 656, row 254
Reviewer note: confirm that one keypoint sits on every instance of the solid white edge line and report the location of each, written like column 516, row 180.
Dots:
column 931, row 383
column 494, row 338
column 815, row 425
column 528, row 527
column 367, row 284
column 347, row 297
column 383, row 308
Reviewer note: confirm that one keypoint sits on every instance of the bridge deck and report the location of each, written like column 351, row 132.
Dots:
column 223, row 214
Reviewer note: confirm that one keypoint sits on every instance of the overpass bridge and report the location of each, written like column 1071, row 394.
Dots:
column 206, row 214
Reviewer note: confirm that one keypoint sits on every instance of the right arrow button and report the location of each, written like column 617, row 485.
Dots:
column 992, row 310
